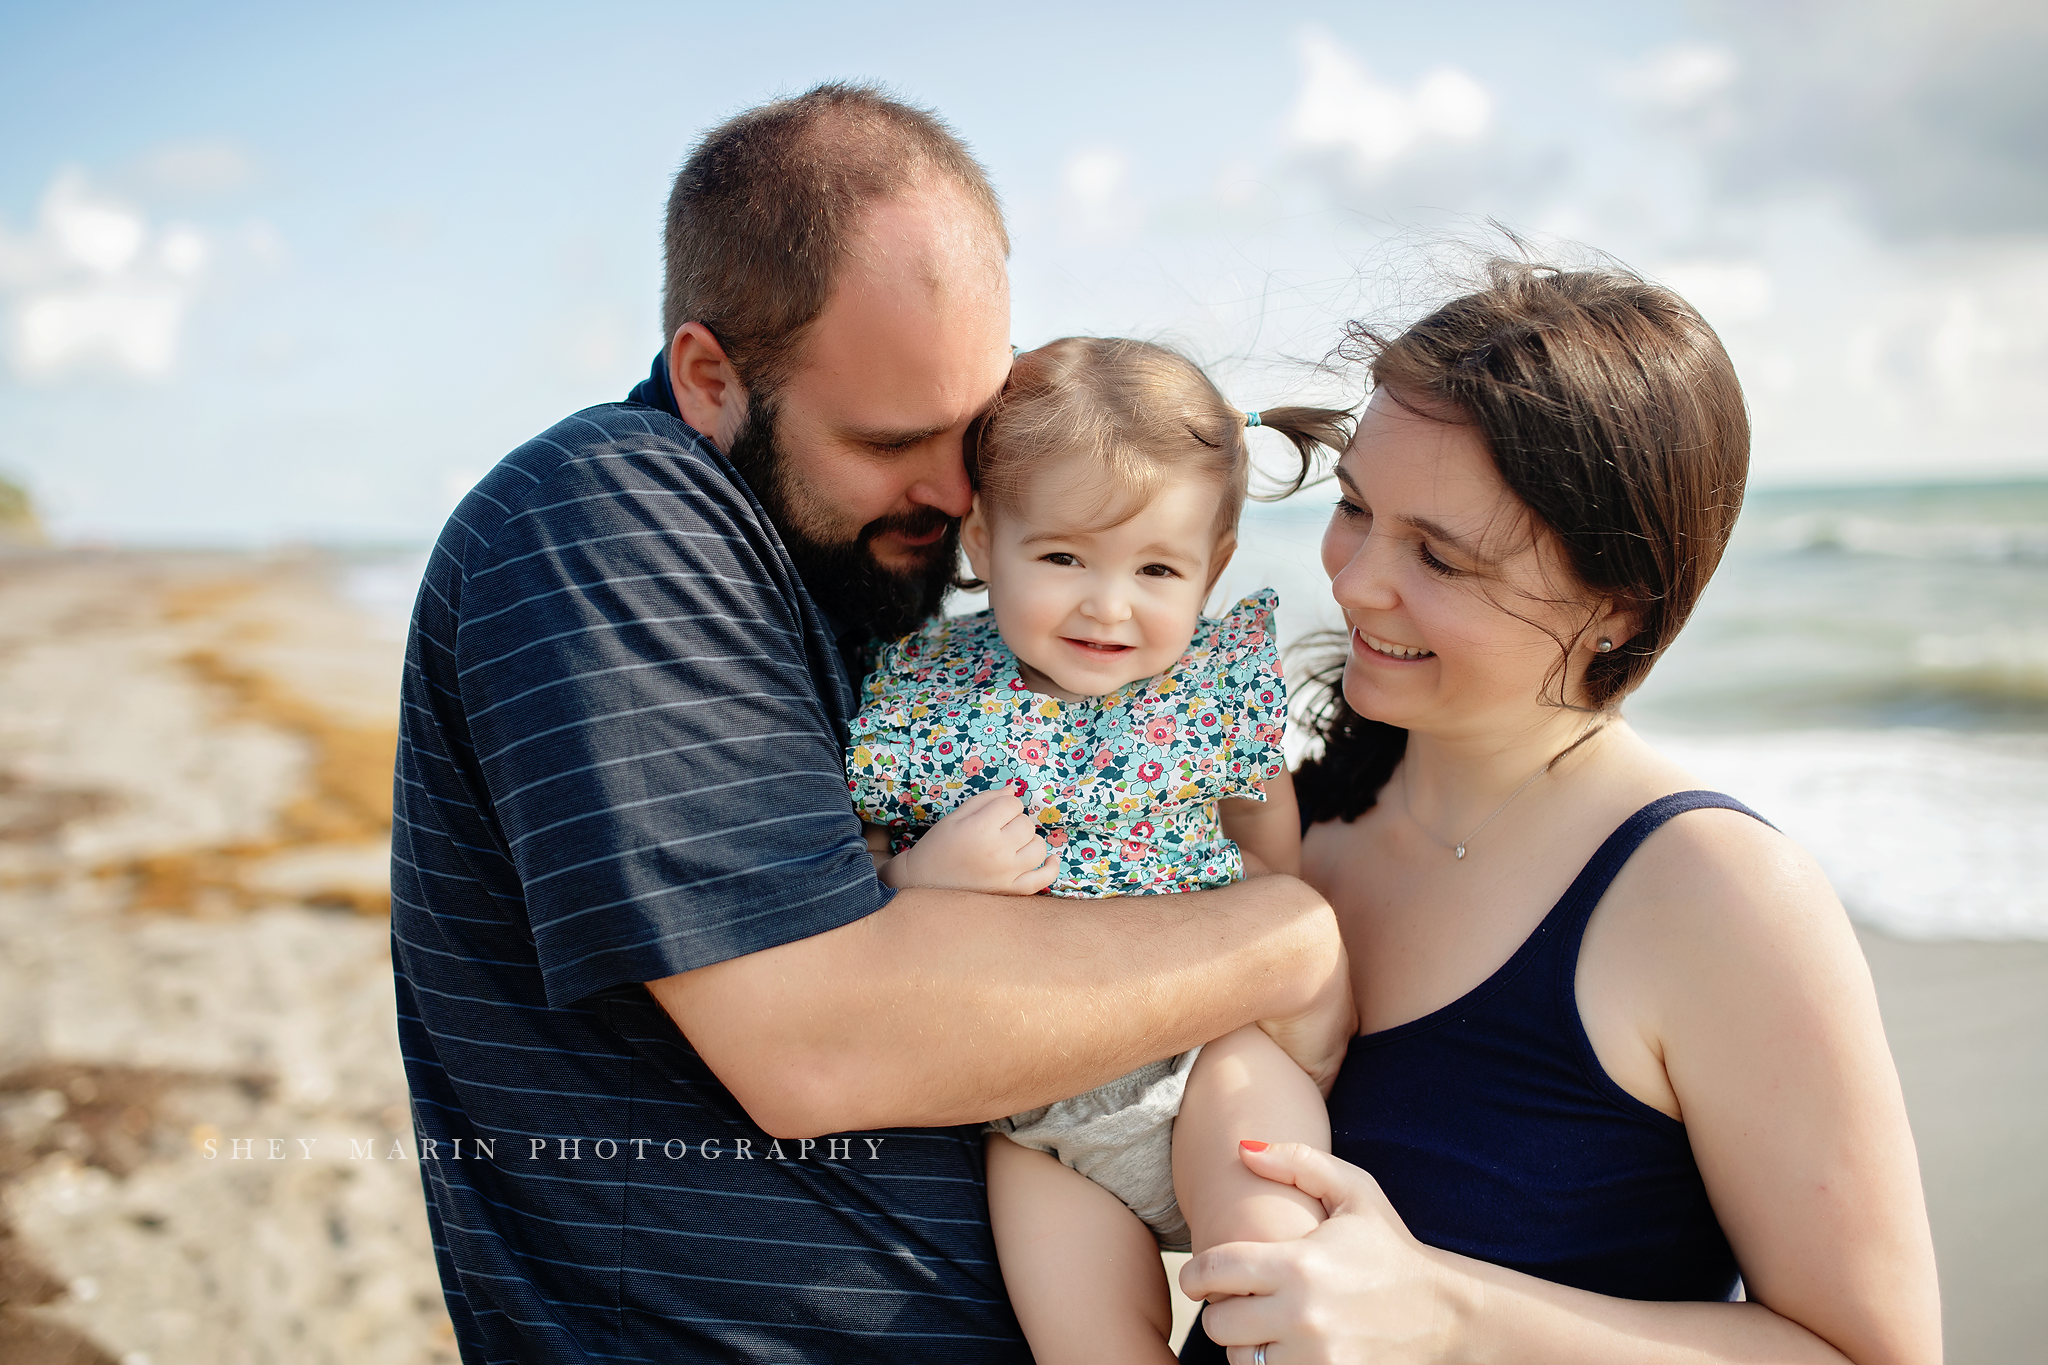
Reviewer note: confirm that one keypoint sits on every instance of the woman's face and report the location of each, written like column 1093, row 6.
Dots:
column 1455, row 598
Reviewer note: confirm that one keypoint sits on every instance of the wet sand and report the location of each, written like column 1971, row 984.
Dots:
column 194, row 777
column 1968, row 1024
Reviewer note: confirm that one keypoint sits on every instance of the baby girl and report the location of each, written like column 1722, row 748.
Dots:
column 1093, row 735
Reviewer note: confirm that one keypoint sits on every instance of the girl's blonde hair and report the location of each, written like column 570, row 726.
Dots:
column 1140, row 413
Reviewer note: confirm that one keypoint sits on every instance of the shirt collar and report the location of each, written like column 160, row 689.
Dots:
column 654, row 390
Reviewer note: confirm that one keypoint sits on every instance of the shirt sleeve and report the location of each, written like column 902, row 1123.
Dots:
column 1249, row 678
column 646, row 688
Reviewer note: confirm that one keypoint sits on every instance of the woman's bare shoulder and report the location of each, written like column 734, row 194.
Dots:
column 1716, row 897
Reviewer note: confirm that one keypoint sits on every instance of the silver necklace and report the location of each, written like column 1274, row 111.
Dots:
column 1459, row 848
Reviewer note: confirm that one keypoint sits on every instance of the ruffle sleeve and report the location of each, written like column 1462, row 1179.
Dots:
column 902, row 768
column 1241, row 654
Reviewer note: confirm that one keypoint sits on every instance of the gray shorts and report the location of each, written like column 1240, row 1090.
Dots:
column 1120, row 1136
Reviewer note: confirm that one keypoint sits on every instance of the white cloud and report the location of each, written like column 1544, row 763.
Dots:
column 134, row 328
column 1097, row 205
column 95, row 286
column 1723, row 291
column 1343, row 108
column 1680, row 76
column 199, row 168
column 183, row 251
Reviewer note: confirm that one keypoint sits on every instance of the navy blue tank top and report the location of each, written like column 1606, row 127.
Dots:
column 1496, row 1133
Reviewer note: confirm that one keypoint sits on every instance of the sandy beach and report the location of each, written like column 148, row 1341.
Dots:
column 202, row 1115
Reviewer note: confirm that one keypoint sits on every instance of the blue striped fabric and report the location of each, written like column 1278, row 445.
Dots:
column 619, row 759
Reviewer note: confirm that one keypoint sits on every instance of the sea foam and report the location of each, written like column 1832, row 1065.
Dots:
column 1924, row 833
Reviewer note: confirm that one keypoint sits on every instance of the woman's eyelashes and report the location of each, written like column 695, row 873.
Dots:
column 1352, row 511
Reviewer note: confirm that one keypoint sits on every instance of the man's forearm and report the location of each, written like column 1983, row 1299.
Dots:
column 947, row 1007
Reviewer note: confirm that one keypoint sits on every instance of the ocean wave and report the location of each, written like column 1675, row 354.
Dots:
column 1999, row 661
column 1853, row 533
column 1925, row 834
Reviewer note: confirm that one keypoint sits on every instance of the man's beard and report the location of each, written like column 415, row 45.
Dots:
column 843, row 576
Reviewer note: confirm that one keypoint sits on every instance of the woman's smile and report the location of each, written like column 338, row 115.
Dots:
column 1386, row 649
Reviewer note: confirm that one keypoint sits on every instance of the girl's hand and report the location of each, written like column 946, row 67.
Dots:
column 990, row 843
column 1359, row 1288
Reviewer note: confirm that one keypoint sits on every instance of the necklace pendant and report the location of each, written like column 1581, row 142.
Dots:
column 1461, row 850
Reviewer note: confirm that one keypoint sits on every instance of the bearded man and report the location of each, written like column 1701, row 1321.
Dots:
column 689, row 1082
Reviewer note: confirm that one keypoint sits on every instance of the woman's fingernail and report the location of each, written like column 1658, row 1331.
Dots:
column 1251, row 1146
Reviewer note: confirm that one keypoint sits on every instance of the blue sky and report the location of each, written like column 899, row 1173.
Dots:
column 276, row 275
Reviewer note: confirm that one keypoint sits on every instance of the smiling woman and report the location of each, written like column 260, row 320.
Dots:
column 1620, row 1061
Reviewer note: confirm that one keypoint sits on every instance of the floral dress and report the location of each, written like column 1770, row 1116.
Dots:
column 1124, row 785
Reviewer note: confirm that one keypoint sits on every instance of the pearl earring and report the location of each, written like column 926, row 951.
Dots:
column 1605, row 645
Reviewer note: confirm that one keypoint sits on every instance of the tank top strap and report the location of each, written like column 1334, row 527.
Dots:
column 1566, row 923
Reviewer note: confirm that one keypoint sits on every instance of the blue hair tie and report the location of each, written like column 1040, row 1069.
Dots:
column 1251, row 419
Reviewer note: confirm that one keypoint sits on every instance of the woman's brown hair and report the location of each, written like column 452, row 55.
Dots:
column 1142, row 414
column 1613, row 414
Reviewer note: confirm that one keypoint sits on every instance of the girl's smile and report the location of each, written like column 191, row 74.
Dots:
column 1088, row 608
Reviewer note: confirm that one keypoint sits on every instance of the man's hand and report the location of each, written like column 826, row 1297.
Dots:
column 1318, row 1037
column 991, row 844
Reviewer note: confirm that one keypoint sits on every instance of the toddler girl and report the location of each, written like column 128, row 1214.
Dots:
column 1092, row 734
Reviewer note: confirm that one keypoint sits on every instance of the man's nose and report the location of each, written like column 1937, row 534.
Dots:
column 942, row 482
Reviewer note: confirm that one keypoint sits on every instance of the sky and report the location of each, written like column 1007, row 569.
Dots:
column 272, row 277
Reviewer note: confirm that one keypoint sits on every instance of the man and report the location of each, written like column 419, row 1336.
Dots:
column 689, row 1082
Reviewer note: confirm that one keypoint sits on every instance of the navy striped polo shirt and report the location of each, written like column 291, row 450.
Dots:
column 620, row 758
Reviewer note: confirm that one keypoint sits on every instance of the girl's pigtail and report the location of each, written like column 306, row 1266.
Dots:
column 1310, row 430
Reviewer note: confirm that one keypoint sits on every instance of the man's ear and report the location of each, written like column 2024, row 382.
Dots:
column 708, row 391
column 975, row 540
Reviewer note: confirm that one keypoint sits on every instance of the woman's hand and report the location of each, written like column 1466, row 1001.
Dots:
column 1359, row 1288
column 990, row 843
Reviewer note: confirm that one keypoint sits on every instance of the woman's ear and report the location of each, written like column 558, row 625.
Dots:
column 708, row 391
column 1616, row 623
column 975, row 540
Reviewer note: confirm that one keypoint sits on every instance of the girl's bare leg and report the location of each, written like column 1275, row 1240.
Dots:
column 1083, row 1272
column 1244, row 1086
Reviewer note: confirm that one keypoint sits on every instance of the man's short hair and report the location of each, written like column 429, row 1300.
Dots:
column 762, row 213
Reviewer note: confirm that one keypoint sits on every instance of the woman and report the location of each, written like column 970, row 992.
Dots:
column 1620, row 1060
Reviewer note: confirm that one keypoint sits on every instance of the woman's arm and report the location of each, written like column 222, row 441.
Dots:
column 1721, row 956
column 1360, row 1289
column 1760, row 1007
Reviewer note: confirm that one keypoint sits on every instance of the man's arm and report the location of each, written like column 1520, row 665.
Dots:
column 948, row 1007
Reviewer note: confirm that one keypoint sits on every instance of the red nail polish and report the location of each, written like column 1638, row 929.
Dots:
column 1251, row 1146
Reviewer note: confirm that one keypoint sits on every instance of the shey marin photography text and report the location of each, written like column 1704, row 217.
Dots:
column 215, row 1146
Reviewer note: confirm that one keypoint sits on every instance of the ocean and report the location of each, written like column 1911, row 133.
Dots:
column 1868, row 670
